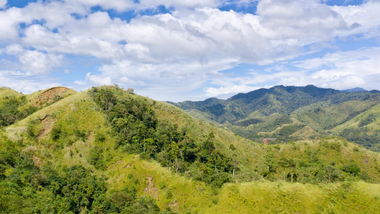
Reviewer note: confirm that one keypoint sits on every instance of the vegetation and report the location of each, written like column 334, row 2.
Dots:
column 11, row 111
column 27, row 188
column 137, row 130
column 108, row 150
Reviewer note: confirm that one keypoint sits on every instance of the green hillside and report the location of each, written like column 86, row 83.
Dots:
column 15, row 106
column 107, row 150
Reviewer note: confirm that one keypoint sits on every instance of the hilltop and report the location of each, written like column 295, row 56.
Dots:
column 108, row 150
column 292, row 113
column 15, row 106
column 353, row 90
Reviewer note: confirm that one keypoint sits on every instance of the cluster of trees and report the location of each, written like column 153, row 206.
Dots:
column 368, row 120
column 27, row 188
column 363, row 136
column 282, row 135
column 10, row 110
column 310, row 166
column 137, row 130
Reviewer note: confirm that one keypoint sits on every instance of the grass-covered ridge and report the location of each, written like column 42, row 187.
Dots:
column 15, row 106
column 78, row 135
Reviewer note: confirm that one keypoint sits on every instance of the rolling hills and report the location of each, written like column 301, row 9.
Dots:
column 107, row 150
column 291, row 113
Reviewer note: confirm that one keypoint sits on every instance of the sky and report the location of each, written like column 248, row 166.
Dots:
column 176, row 50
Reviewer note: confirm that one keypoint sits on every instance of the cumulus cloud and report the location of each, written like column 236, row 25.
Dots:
column 95, row 80
column 184, row 49
column 3, row 3
column 339, row 70
column 25, row 83
column 125, row 5
column 362, row 19
column 343, row 70
column 31, row 62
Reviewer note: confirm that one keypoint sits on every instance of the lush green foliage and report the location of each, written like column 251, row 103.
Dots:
column 27, row 188
column 10, row 110
column 137, row 130
column 363, row 136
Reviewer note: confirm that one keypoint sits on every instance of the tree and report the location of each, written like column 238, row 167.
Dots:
column 284, row 164
column 106, row 99
column 233, row 155
column 131, row 90
column 352, row 168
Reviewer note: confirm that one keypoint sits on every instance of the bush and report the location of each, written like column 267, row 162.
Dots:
column 56, row 132
column 96, row 157
column 352, row 169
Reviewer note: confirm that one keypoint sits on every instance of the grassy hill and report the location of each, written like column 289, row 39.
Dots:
column 15, row 106
column 107, row 150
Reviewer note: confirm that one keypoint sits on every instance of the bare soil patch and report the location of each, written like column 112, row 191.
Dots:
column 50, row 95
column 47, row 125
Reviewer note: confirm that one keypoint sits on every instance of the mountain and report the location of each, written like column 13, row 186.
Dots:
column 354, row 90
column 108, row 150
column 291, row 113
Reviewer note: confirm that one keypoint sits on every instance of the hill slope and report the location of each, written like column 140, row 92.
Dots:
column 144, row 156
column 15, row 106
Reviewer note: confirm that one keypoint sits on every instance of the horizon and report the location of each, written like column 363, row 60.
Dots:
column 189, row 50
column 232, row 95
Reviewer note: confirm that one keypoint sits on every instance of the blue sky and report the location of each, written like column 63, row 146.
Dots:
column 189, row 49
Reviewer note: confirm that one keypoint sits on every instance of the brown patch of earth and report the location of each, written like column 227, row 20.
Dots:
column 90, row 138
column 37, row 160
column 174, row 207
column 50, row 95
column 151, row 189
column 47, row 125
column 115, row 164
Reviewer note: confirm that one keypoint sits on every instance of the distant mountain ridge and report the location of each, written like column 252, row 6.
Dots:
column 353, row 90
column 289, row 112
column 278, row 99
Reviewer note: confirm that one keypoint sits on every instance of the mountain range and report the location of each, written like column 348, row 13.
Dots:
column 293, row 113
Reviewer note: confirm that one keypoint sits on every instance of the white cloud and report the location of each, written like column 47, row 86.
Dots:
column 213, row 92
column 125, row 5
column 25, row 83
column 202, row 34
column 3, row 3
column 95, row 80
column 340, row 70
column 186, row 49
column 32, row 62
column 362, row 18
column 98, row 80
